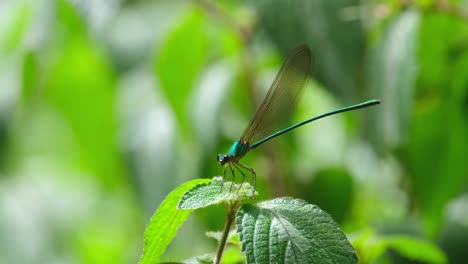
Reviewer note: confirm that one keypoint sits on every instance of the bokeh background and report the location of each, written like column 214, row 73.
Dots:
column 106, row 106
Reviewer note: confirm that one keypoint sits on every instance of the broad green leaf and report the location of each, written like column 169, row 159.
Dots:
column 391, row 76
column 165, row 222
column 212, row 193
column 181, row 59
column 414, row 249
column 287, row 230
column 336, row 40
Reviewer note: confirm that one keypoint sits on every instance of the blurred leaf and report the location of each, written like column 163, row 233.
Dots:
column 287, row 230
column 211, row 193
column 73, row 24
column 391, row 73
column 81, row 87
column 371, row 247
column 438, row 138
column 11, row 38
column 435, row 53
column 336, row 40
column 454, row 238
column 331, row 189
column 437, row 147
column 165, row 222
column 415, row 249
column 233, row 255
column 30, row 75
column 102, row 243
column 181, row 59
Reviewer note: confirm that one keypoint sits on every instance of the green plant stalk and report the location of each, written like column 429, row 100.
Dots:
column 231, row 209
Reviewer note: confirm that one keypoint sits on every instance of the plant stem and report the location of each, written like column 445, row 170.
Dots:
column 231, row 209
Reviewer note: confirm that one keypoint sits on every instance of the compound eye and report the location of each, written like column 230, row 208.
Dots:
column 223, row 159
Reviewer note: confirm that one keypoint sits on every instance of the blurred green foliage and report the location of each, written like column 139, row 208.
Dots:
column 107, row 106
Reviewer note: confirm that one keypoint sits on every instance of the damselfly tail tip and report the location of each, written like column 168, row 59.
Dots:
column 372, row 102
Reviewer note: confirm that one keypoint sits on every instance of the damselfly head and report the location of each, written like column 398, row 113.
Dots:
column 223, row 159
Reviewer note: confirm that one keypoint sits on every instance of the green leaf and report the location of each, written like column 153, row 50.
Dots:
column 72, row 22
column 80, row 86
column 391, row 76
column 436, row 54
column 181, row 59
column 287, row 230
column 437, row 141
column 165, row 222
column 414, row 249
column 371, row 247
column 233, row 255
column 212, row 193
column 368, row 245
column 19, row 20
column 29, row 75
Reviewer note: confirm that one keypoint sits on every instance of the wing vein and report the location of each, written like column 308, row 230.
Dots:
column 282, row 97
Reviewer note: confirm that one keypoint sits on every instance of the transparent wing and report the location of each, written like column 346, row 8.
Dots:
column 282, row 98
